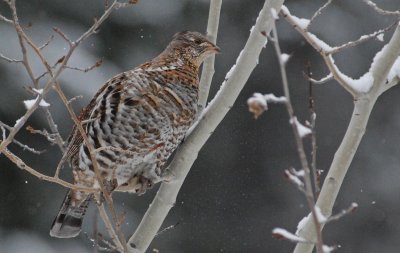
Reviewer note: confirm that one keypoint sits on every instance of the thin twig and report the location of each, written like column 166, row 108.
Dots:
column 299, row 142
column 162, row 231
column 382, row 11
column 320, row 81
column 318, row 12
column 46, row 43
column 362, row 39
column 96, row 167
column 74, row 98
column 2, row 56
column 22, row 165
column 2, row 18
column 97, row 64
column 63, row 35
column 313, row 117
column 18, row 29
column 110, row 229
column 50, row 137
column 54, row 129
column 345, row 212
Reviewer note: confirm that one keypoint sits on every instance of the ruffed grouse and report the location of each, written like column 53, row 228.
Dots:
column 138, row 118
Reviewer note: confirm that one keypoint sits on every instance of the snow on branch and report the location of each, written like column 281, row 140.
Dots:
column 353, row 86
column 367, row 90
column 382, row 11
column 280, row 233
column 258, row 103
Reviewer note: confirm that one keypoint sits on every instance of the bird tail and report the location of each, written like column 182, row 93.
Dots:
column 68, row 222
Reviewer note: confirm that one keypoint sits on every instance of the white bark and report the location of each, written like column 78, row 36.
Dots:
column 363, row 106
column 208, row 65
column 209, row 120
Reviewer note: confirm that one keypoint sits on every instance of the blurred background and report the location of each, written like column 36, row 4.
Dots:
column 235, row 193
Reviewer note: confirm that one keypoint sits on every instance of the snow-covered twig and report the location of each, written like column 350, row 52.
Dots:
column 382, row 11
column 280, row 233
column 322, row 48
column 295, row 179
column 345, row 212
column 208, row 65
column 320, row 81
column 208, row 121
column 362, row 39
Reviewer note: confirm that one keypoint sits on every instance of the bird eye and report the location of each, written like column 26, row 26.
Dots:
column 198, row 41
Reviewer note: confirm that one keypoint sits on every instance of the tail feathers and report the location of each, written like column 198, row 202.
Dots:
column 68, row 222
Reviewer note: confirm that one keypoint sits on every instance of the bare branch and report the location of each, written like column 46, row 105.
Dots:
column 381, row 11
column 167, row 229
column 54, row 129
column 54, row 76
column 75, row 98
column 110, row 229
column 97, row 64
column 2, row 18
column 17, row 161
column 26, row 147
column 50, row 137
column 313, row 117
column 2, row 56
column 63, row 35
column 318, row 12
column 96, row 167
column 46, row 43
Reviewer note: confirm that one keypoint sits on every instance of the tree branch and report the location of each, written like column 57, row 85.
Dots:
column 380, row 67
column 208, row 121
column 208, row 65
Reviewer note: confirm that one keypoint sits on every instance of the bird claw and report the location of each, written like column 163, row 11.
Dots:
column 137, row 184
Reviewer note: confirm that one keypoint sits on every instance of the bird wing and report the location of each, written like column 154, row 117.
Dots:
column 75, row 139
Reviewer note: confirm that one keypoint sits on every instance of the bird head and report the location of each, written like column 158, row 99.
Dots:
column 192, row 47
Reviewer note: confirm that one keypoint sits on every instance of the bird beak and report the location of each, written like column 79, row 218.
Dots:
column 213, row 48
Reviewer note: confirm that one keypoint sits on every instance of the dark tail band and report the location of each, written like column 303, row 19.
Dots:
column 68, row 222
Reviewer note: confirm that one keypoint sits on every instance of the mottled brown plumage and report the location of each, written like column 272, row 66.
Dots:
column 138, row 118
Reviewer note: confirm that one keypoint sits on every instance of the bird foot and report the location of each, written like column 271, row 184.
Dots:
column 137, row 184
